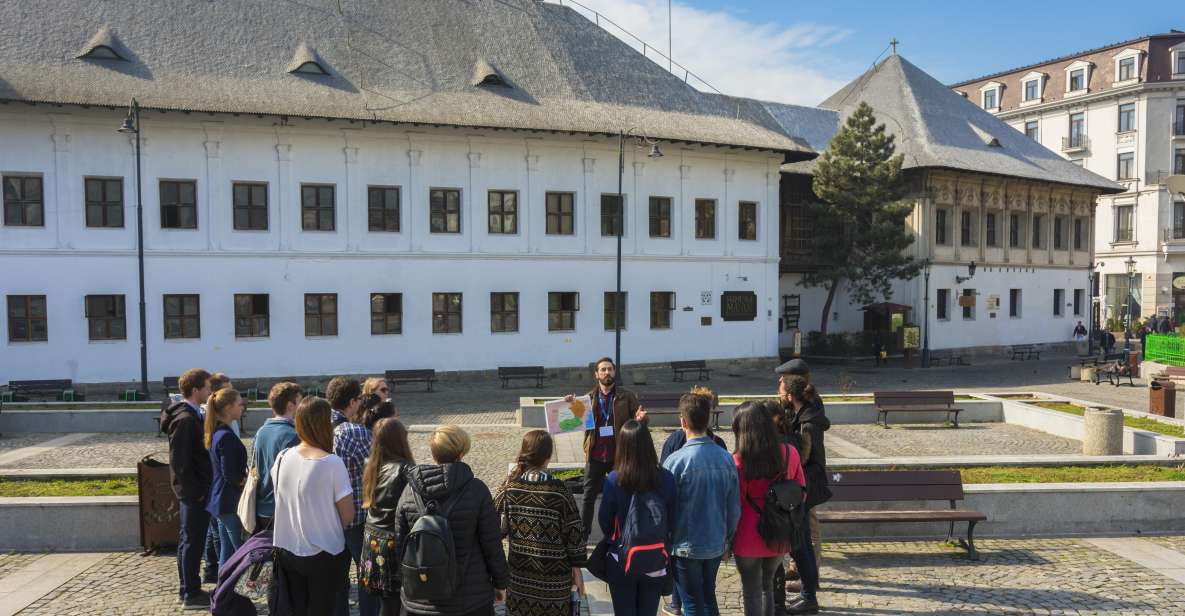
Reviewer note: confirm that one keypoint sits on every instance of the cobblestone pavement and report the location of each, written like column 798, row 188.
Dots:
column 12, row 562
column 19, row 440
column 970, row 439
column 112, row 450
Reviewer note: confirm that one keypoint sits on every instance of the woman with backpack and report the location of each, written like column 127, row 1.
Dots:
column 543, row 528
column 314, row 504
column 761, row 458
column 383, row 481
column 637, row 507
column 228, row 457
column 446, row 511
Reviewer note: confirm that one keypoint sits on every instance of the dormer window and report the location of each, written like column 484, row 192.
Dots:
column 1179, row 64
column 484, row 74
column 310, row 68
column 1033, row 88
column 102, row 46
column 1127, row 69
column 305, row 61
column 1078, row 77
column 1127, row 66
column 990, row 96
column 1078, row 80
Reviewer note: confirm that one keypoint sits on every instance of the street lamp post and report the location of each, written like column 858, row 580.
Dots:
column 131, row 125
column 926, row 320
column 619, row 222
column 1094, row 277
column 1127, row 310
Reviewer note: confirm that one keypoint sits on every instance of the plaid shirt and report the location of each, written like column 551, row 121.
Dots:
column 604, row 447
column 351, row 443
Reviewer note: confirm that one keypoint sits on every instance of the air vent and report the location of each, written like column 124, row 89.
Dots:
column 305, row 61
column 102, row 46
column 484, row 74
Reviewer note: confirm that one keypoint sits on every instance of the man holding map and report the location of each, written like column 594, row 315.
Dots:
column 612, row 406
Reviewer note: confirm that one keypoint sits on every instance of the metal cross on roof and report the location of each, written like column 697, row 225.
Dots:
column 893, row 43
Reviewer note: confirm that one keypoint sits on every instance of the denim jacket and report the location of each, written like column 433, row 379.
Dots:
column 709, row 499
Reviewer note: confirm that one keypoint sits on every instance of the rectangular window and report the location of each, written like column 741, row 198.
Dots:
column 178, row 204
column 1059, row 298
column 104, row 202
column 1127, row 69
column 1032, row 128
column 1077, row 130
column 503, row 212
column 989, row 99
column 24, row 203
column 1014, row 303
column 969, row 310
column 1127, row 117
column 1077, row 80
column 105, row 317
column 662, row 304
column 1079, row 234
column 250, row 206
column 990, row 229
column 1038, row 231
column 940, row 227
column 561, row 213
column 1179, row 120
column 1079, row 301
column 942, row 303
column 252, row 317
column 446, row 313
column 747, row 220
column 1120, row 297
column 504, row 312
column 1123, row 223
column 1180, row 70
column 561, row 311
column 27, row 320
column 660, row 217
column 611, row 309
column 1059, row 233
column 967, row 229
column 382, row 208
column 320, row 314
column 1032, row 87
column 317, row 207
column 611, row 215
column 705, row 219
column 182, row 316
column 1179, row 161
column 444, row 211
column 386, row 314
column 1179, row 220
column 1016, row 231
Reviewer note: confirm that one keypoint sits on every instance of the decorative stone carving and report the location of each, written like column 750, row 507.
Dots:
column 992, row 196
column 1039, row 199
column 1061, row 202
column 969, row 195
column 943, row 192
column 589, row 165
column 284, row 152
column 1016, row 196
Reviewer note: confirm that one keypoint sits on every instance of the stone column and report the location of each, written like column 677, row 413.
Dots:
column 1103, row 435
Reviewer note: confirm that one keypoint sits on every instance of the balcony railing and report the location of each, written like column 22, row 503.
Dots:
column 1156, row 178
column 1179, row 127
column 1176, row 232
column 1075, row 143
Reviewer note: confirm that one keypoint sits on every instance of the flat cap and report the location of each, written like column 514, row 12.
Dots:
column 794, row 366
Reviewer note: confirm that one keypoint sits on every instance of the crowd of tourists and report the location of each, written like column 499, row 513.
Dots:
column 331, row 483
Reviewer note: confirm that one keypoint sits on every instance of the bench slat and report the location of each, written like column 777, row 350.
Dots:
column 922, row 515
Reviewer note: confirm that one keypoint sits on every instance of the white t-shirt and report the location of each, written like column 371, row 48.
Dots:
column 307, row 491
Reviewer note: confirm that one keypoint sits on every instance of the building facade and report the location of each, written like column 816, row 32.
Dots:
column 1119, row 111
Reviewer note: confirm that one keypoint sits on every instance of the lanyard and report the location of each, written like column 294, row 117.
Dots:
column 605, row 401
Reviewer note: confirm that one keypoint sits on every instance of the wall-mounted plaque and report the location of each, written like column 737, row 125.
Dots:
column 738, row 305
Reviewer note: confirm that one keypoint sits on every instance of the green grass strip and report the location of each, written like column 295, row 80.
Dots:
column 1139, row 423
column 124, row 486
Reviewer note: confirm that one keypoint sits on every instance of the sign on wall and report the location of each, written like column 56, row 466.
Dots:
column 738, row 306
column 993, row 303
column 705, row 298
column 911, row 337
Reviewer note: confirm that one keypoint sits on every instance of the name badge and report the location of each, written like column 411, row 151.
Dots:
column 606, row 431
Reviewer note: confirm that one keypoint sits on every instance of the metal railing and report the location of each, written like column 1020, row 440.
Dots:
column 1166, row 349
column 1175, row 232
column 1155, row 178
column 1179, row 126
column 1075, row 142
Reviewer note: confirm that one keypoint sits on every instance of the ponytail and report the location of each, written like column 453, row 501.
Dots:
column 216, row 407
column 802, row 391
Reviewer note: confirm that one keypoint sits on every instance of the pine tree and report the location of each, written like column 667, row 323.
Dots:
column 860, row 225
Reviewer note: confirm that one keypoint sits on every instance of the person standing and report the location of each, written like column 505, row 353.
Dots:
column 543, row 530
column 344, row 395
column 636, row 475
column 760, row 458
column 190, row 474
column 314, row 503
column 228, row 458
column 1165, row 326
column 808, row 423
column 708, row 508
column 275, row 435
column 351, row 443
column 612, row 406
column 449, row 488
column 383, row 482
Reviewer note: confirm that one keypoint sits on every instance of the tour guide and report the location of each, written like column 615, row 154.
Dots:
column 612, row 406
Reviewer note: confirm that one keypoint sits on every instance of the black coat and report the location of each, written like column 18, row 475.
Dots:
column 477, row 535
column 387, row 492
column 809, row 424
column 189, row 462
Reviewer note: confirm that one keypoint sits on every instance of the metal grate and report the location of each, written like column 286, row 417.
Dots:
column 1167, row 349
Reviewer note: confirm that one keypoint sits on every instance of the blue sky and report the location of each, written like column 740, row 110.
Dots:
column 800, row 52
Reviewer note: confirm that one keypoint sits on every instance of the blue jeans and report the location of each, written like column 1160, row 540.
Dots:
column 695, row 581
column 632, row 596
column 230, row 536
column 212, row 550
column 195, row 523
column 368, row 604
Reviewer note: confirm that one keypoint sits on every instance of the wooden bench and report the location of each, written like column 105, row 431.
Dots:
column 506, row 373
column 411, row 376
column 915, row 401
column 171, row 384
column 699, row 366
column 951, row 356
column 1114, row 370
column 1025, row 352
column 657, row 403
column 873, row 486
column 60, row 389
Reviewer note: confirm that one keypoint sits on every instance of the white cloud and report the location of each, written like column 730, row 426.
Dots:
column 738, row 57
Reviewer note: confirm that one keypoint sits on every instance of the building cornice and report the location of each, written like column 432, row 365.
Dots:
column 1086, row 99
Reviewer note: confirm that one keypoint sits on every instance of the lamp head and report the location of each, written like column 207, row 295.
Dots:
column 654, row 151
column 129, row 125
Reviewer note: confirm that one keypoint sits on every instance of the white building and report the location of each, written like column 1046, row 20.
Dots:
column 411, row 185
column 1119, row 111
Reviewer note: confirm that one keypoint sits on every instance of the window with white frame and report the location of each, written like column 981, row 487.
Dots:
column 1078, row 76
column 1032, row 88
column 1033, row 130
column 1179, row 64
column 1127, row 117
column 1125, row 166
column 990, row 95
column 1127, row 65
column 1123, row 223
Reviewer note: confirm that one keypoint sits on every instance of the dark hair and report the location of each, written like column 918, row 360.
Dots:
column 313, row 424
column 697, row 410
column 535, row 451
column 218, row 380
column 281, row 394
column 192, row 380
column 388, row 445
column 636, row 462
column 757, row 441
column 341, row 391
column 597, row 364
column 374, row 408
column 801, row 390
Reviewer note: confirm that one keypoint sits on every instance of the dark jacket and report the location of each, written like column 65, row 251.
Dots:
column 387, row 491
column 477, row 535
column 228, row 458
column 189, row 462
column 615, row 502
column 625, row 404
column 809, row 424
column 678, row 439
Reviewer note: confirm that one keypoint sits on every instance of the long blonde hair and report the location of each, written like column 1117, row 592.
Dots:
column 217, row 406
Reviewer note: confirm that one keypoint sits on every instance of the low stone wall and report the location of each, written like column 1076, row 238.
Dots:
column 101, row 420
column 65, row 524
column 1066, row 425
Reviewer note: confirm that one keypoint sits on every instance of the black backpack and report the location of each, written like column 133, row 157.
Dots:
column 429, row 565
column 779, row 522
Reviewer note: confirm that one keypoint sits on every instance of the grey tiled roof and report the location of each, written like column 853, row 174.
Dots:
column 409, row 61
column 935, row 128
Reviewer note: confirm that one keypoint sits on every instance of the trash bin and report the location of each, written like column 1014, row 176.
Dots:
column 1104, row 432
column 160, row 512
column 1162, row 398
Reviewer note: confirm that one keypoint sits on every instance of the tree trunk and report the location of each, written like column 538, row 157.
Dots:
column 827, row 305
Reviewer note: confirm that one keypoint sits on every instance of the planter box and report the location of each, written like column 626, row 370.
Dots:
column 102, row 420
column 1066, row 425
column 69, row 524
